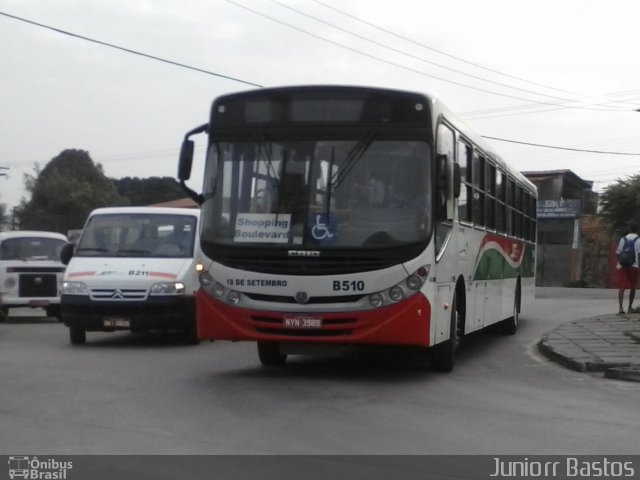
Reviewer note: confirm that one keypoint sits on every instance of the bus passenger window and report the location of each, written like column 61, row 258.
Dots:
column 464, row 160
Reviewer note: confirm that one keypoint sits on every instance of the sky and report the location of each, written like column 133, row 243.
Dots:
column 558, row 73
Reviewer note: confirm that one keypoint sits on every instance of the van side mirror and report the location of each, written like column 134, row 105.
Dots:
column 66, row 253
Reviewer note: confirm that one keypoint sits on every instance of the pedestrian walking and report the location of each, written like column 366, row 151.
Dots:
column 627, row 278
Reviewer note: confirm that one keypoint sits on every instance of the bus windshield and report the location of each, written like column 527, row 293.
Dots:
column 318, row 193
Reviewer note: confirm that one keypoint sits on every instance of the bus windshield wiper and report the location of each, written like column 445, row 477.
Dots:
column 263, row 152
column 352, row 158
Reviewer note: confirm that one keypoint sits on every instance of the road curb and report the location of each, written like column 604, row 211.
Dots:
column 608, row 344
column 630, row 374
column 558, row 357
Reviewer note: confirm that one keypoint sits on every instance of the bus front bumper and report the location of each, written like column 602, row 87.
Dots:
column 404, row 323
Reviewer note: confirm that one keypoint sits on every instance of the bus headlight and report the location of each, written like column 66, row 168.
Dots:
column 75, row 288
column 209, row 285
column 414, row 282
column 10, row 282
column 217, row 289
column 167, row 288
column 233, row 297
column 396, row 293
column 205, row 279
column 376, row 300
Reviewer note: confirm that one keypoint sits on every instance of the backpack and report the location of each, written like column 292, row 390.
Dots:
column 628, row 253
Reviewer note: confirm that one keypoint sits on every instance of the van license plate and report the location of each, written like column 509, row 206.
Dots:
column 116, row 322
column 302, row 321
column 38, row 303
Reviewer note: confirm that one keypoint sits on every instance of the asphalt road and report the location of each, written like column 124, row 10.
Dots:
column 150, row 394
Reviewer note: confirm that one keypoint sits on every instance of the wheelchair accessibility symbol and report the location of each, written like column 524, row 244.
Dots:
column 323, row 228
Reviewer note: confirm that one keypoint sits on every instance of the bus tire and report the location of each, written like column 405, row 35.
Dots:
column 510, row 325
column 269, row 354
column 4, row 314
column 77, row 335
column 443, row 354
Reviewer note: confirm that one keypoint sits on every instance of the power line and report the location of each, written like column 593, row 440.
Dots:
column 395, row 64
column 135, row 52
column 441, row 52
column 415, row 57
column 559, row 148
column 128, row 50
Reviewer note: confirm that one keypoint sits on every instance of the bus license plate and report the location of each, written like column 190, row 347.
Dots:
column 116, row 322
column 302, row 321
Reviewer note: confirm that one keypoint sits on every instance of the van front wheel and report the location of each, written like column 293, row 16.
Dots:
column 77, row 335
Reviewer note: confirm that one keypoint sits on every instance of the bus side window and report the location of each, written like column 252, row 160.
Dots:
column 464, row 160
column 477, row 202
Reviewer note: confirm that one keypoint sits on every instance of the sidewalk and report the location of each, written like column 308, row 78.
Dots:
column 605, row 343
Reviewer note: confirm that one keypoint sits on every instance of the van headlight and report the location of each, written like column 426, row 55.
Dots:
column 167, row 288
column 74, row 288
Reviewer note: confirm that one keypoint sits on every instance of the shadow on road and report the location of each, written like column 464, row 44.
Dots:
column 126, row 339
column 28, row 320
column 387, row 364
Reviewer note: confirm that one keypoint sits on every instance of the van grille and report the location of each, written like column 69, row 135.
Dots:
column 118, row 294
column 36, row 285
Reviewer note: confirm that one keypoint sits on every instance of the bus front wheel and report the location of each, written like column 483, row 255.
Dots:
column 269, row 354
column 443, row 354
column 510, row 325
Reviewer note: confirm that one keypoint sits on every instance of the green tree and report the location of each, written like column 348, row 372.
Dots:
column 64, row 192
column 147, row 191
column 621, row 204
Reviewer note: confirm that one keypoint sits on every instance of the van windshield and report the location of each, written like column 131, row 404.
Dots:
column 138, row 235
column 31, row 248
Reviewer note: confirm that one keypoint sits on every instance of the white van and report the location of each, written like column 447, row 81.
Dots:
column 134, row 268
column 30, row 271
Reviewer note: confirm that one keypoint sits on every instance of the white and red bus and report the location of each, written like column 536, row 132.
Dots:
column 339, row 215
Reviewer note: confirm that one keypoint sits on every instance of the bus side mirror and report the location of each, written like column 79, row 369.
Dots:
column 186, row 153
column 186, row 160
column 66, row 253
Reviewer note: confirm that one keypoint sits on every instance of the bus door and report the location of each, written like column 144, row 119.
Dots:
column 445, row 237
